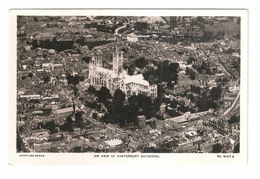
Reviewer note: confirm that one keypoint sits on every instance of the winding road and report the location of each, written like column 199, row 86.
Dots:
column 233, row 105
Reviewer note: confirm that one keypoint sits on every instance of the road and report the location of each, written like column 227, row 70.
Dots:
column 233, row 105
column 224, row 69
column 124, row 26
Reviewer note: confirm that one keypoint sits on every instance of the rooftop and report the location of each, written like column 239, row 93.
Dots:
column 113, row 142
column 65, row 110
column 138, row 79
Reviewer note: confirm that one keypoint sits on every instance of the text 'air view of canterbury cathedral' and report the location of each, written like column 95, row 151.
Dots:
column 128, row 84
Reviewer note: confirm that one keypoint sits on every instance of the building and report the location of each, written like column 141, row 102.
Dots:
column 113, row 142
column 117, row 78
column 67, row 110
column 44, row 147
column 132, row 37
column 41, row 133
column 141, row 121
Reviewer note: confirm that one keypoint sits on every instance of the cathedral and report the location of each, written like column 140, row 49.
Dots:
column 117, row 78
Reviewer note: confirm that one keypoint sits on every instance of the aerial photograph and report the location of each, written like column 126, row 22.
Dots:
column 128, row 84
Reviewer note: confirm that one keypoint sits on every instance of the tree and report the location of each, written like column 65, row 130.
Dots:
column 141, row 62
column 131, row 69
column 103, row 95
column 35, row 18
column 215, row 93
column 237, row 148
column 94, row 115
column 30, row 75
column 172, row 71
column 79, row 119
column 167, row 72
column 50, row 126
column 217, row 148
column 203, row 103
column 119, row 96
column 86, row 59
column 46, row 78
column 76, row 91
column 151, row 76
column 160, row 91
column 173, row 113
column 233, row 119
column 132, row 108
column 19, row 142
column 68, row 126
column 141, row 26
column 190, row 73
column 140, row 102
column 195, row 89
column 156, row 103
column 191, row 60
column 116, row 109
column 73, row 79
column 173, row 103
column 146, row 105
column 92, row 90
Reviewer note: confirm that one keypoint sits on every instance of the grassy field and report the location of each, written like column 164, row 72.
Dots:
column 185, row 81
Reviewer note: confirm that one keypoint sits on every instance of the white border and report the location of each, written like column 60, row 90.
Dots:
column 88, row 158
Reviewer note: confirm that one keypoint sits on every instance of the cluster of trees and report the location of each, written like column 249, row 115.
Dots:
column 91, row 43
column 53, row 44
column 234, row 118
column 141, row 62
column 217, row 148
column 141, row 26
column 203, row 68
column 176, row 108
column 89, row 98
column 74, row 79
column 50, row 126
column 209, row 99
column 237, row 148
column 70, row 124
column 103, row 27
column 131, row 69
column 67, row 126
column 103, row 95
column 165, row 72
column 203, row 97
column 19, row 143
column 121, row 111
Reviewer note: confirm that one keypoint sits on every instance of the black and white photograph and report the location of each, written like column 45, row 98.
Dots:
column 128, row 84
